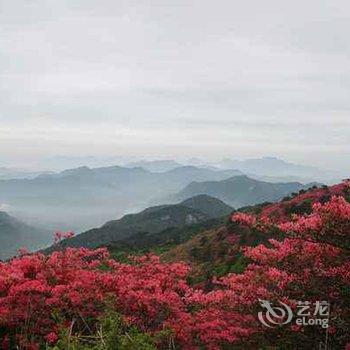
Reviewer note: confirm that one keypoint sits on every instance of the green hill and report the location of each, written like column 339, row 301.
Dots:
column 211, row 206
column 154, row 222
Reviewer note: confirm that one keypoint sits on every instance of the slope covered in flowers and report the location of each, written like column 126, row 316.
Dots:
column 83, row 299
column 303, row 201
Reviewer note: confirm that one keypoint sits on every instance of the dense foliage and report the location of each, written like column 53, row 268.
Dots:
column 83, row 299
column 311, row 263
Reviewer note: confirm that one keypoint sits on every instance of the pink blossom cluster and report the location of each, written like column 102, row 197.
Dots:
column 42, row 295
column 60, row 236
column 311, row 262
column 243, row 219
column 329, row 222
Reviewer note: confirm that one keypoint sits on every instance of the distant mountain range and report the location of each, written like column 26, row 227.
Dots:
column 154, row 221
column 15, row 234
column 272, row 168
column 239, row 191
column 80, row 198
column 84, row 197
column 13, row 173
column 268, row 166
column 197, row 203
column 156, row 166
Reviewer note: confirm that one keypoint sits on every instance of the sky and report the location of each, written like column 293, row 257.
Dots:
column 175, row 79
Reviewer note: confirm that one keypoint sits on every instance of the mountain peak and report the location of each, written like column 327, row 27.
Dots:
column 76, row 171
column 209, row 205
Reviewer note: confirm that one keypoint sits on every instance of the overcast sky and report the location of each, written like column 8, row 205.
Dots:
column 237, row 78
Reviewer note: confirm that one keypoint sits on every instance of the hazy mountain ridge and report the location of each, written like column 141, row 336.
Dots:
column 155, row 165
column 15, row 234
column 85, row 197
column 14, row 173
column 266, row 168
column 239, row 191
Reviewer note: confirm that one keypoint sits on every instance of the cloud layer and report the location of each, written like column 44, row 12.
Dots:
column 174, row 78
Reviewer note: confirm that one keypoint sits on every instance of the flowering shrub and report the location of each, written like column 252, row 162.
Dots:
column 243, row 219
column 43, row 296
column 60, row 236
column 311, row 263
column 82, row 296
column 279, row 212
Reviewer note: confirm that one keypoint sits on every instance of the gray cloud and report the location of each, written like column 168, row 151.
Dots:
column 168, row 78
